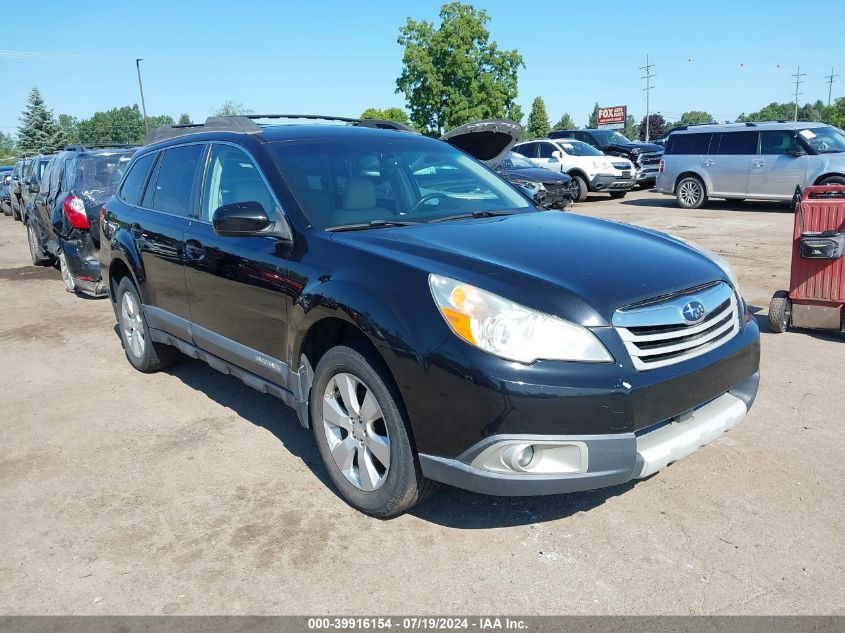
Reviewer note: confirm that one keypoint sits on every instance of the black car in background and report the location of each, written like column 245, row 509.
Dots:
column 645, row 156
column 5, row 195
column 420, row 314
column 63, row 221
column 32, row 175
column 549, row 189
column 16, row 188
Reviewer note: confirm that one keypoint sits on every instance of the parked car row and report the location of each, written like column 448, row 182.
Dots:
column 58, row 198
column 428, row 320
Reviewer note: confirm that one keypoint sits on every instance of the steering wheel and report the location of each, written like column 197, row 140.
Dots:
column 429, row 196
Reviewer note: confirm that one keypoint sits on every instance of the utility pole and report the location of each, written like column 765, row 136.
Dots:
column 798, row 82
column 648, row 77
column 141, row 86
column 830, row 79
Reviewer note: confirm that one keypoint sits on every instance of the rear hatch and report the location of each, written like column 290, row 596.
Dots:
column 489, row 141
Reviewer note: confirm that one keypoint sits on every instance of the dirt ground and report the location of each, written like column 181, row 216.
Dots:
column 187, row 492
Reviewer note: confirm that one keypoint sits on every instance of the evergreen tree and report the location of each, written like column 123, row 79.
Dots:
column 184, row 119
column 538, row 120
column 565, row 123
column 39, row 132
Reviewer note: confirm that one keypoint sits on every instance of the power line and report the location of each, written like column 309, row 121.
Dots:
column 648, row 77
column 830, row 79
column 798, row 82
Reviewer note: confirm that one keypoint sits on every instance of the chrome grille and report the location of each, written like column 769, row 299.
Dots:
column 649, row 159
column 657, row 334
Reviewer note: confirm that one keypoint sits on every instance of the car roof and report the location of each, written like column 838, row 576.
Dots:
column 750, row 126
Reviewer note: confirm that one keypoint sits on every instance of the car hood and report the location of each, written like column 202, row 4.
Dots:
column 634, row 148
column 489, row 141
column 579, row 268
column 537, row 174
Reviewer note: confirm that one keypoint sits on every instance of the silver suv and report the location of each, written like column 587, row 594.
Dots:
column 750, row 160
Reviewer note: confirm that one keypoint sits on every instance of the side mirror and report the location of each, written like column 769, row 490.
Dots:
column 240, row 219
column 32, row 186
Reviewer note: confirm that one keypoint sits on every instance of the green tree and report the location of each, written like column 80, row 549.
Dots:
column 656, row 127
column 514, row 113
column 565, row 123
column 158, row 121
column 184, row 119
column 631, row 129
column 694, row 117
column 118, row 125
column 70, row 125
column 39, row 132
column 388, row 114
column 593, row 121
column 835, row 114
column 231, row 108
column 538, row 120
column 453, row 74
column 8, row 147
column 786, row 112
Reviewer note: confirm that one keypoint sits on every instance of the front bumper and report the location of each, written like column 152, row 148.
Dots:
column 601, row 460
column 647, row 175
column 611, row 182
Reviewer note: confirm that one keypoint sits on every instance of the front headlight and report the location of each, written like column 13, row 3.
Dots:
column 601, row 164
column 511, row 331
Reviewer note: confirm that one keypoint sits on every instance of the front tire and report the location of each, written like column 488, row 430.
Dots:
column 690, row 193
column 142, row 352
column 780, row 312
column 579, row 188
column 833, row 180
column 362, row 434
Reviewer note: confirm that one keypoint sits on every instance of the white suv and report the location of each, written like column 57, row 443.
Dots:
column 591, row 170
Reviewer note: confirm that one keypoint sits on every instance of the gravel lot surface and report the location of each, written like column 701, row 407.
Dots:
column 187, row 492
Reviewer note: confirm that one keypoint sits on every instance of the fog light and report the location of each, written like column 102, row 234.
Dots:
column 518, row 456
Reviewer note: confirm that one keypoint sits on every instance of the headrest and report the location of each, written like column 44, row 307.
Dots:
column 359, row 194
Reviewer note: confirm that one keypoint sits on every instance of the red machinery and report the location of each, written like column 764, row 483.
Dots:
column 817, row 282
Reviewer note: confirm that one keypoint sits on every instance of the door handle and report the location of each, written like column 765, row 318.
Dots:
column 194, row 250
column 709, row 163
column 758, row 163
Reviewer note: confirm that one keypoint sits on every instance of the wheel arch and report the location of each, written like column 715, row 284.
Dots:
column 125, row 260
column 688, row 174
column 828, row 175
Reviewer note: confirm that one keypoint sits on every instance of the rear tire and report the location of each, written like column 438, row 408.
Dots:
column 690, row 193
column 780, row 312
column 142, row 352
column 40, row 257
column 618, row 194
column 833, row 180
column 358, row 426
column 580, row 188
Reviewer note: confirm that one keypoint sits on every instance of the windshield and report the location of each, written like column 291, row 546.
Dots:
column 99, row 172
column 515, row 161
column 391, row 179
column 606, row 137
column 824, row 140
column 578, row 148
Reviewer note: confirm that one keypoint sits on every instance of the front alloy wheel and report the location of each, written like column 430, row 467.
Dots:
column 355, row 431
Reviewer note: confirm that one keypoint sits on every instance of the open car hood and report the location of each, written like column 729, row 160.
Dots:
column 488, row 141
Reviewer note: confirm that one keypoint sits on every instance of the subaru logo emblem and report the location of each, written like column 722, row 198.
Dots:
column 694, row 311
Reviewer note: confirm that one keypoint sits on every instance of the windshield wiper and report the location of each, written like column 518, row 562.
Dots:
column 474, row 214
column 372, row 224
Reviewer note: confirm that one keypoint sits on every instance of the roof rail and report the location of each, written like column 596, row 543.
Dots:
column 245, row 124
column 81, row 147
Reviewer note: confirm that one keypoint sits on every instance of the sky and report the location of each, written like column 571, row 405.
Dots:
column 340, row 57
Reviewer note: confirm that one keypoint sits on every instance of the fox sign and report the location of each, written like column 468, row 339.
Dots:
column 613, row 116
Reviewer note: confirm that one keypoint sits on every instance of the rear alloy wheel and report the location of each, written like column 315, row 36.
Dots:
column 362, row 435
column 38, row 254
column 141, row 352
column 67, row 278
column 579, row 188
column 690, row 193
column 780, row 312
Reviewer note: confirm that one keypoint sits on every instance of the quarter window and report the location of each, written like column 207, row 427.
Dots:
column 688, row 143
column 233, row 177
column 172, row 192
column 132, row 187
column 738, row 143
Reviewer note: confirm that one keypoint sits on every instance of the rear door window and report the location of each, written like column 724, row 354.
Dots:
column 175, row 183
column 133, row 186
column 738, row 143
column 527, row 149
column 546, row 150
column 688, row 143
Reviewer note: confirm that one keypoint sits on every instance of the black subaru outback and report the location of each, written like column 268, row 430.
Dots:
column 422, row 316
